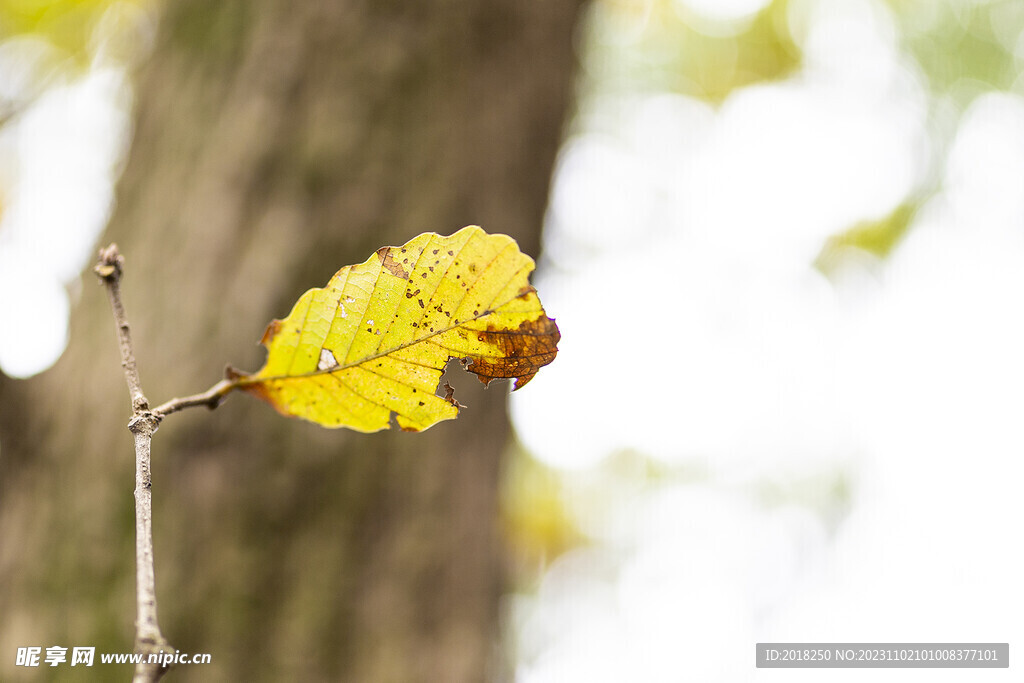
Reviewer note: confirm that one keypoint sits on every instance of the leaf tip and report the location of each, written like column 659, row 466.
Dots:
column 521, row 381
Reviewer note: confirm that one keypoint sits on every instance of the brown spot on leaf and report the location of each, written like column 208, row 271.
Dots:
column 272, row 329
column 449, row 395
column 521, row 351
column 421, row 302
column 390, row 264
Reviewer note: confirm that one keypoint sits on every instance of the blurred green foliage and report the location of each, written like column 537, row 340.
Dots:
column 44, row 43
column 66, row 24
column 959, row 49
column 656, row 45
column 955, row 42
column 535, row 519
column 875, row 237
column 955, row 50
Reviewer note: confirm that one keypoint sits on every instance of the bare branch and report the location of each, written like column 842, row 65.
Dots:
column 148, row 639
column 109, row 269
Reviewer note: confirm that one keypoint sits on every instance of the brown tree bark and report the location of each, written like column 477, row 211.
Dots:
column 276, row 142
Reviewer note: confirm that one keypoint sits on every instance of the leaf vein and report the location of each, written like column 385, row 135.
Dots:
column 298, row 342
column 362, row 320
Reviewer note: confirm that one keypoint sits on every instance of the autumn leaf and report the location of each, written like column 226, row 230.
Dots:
column 376, row 339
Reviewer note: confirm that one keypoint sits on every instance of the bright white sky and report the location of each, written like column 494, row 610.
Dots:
column 695, row 330
column 57, row 167
column 724, row 17
column 59, row 159
column 678, row 264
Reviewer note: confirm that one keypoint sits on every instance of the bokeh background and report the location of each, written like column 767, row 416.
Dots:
column 783, row 242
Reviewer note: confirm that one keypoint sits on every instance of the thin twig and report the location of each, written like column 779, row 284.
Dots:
column 144, row 422
column 210, row 398
column 109, row 269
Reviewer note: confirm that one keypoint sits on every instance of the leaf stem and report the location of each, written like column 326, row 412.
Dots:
column 148, row 638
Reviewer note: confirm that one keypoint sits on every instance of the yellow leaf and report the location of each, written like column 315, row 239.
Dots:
column 376, row 339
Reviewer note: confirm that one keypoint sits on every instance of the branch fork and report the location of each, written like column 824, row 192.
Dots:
column 144, row 422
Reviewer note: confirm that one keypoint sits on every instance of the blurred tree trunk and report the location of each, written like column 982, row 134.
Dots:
column 276, row 142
